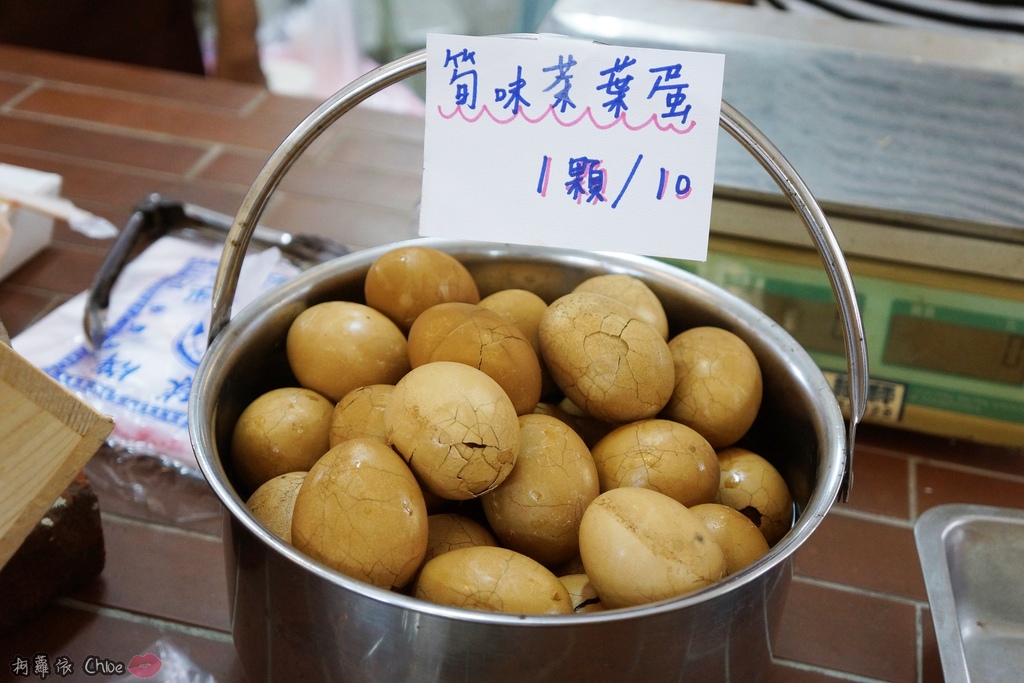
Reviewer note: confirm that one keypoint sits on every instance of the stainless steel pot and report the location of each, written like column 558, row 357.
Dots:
column 295, row 619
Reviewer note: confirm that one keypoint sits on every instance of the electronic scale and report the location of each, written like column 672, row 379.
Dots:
column 913, row 144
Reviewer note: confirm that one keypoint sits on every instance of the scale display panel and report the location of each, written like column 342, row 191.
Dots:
column 944, row 361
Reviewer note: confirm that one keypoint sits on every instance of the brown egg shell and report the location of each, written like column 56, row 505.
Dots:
column 524, row 309
column 640, row 546
column 633, row 292
column 662, row 455
column 607, row 361
column 584, row 597
column 360, row 511
column 740, row 540
column 449, row 531
column 455, row 426
column 283, row 430
column 360, row 414
column 274, row 501
column 336, row 346
column 492, row 579
column 479, row 337
column 404, row 282
column 538, row 508
column 718, row 384
column 752, row 485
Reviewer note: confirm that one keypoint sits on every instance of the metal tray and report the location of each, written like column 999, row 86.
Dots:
column 973, row 562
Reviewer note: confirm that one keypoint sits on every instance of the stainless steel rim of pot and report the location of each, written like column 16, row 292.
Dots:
column 743, row 130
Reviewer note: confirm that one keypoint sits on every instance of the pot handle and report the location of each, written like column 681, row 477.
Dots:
column 755, row 142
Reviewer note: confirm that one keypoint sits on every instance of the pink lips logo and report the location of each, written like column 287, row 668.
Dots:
column 144, row 666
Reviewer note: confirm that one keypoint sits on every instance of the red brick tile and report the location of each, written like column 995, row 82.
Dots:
column 368, row 118
column 150, row 567
column 90, row 186
column 352, row 224
column 130, row 79
column 149, row 115
column 77, row 633
column 72, row 141
column 355, row 184
column 849, row 632
column 880, row 484
column 234, row 166
column 903, row 443
column 68, row 270
column 863, row 553
column 782, row 672
column 938, row 484
column 931, row 660
column 11, row 88
column 384, row 152
column 20, row 307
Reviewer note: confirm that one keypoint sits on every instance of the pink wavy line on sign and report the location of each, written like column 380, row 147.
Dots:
column 550, row 111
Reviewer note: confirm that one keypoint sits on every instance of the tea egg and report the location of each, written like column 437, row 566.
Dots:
column 447, row 531
column 455, row 426
column 718, row 384
column 492, row 579
column 336, row 346
column 283, row 430
column 273, row 502
column 752, row 485
column 584, row 598
column 479, row 337
column 607, row 361
column 538, row 508
column 360, row 413
column 633, row 292
column 640, row 546
column 406, row 281
column 663, row 455
column 740, row 540
column 360, row 511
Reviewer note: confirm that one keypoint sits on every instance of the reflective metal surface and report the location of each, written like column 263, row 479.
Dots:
column 973, row 562
column 294, row 619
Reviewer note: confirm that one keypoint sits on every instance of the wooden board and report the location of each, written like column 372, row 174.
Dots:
column 46, row 436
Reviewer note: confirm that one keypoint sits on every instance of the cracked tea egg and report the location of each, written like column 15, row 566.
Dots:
column 273, row 502
column 480, row 338
column 640, row 546
column 538, row 508
column 663, row 455
column 633, row 292
column 752, row 485
column 283, row 430
column 448, row 531
column 360, row 511
column 360, row 413
column 492, row 579
column 606, row 360
column 741, row 541
column 406, row 281
column 718, row 384
column 455, row 426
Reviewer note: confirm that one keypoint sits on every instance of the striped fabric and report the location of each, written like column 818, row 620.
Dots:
column 998, row 18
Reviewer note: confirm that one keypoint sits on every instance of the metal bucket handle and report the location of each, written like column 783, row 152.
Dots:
column 731, row 120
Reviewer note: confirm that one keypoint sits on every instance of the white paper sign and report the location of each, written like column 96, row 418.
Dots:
column 560, row 142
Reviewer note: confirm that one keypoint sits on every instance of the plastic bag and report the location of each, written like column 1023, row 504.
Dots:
column 157, row 324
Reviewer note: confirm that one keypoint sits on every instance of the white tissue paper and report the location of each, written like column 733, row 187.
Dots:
column 157, row 325
column 30, row 231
